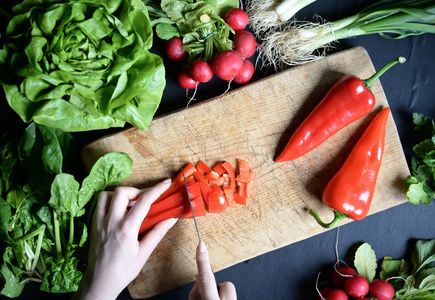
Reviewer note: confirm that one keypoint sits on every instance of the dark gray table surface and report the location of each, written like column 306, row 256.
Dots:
column 290, row 272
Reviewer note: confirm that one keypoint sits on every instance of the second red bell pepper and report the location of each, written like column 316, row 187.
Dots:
column 350, row 192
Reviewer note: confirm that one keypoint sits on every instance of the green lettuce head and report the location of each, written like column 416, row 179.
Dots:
column 80, row 65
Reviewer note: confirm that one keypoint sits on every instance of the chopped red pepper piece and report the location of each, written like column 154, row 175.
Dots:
column 214, row 187
column 231, row 173
column 219, row 169
column 217, row 202
column 203, row 167
column 198, row 175
column 243, row 171
column 240, row 199
column 205, row 190
column 212, row 177
column 229, row 195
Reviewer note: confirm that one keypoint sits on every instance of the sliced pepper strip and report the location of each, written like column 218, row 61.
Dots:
column 177, row 182
column 177, row 199
column 184, row 211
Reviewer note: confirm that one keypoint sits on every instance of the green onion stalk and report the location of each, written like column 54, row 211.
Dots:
column 302, row 42
column 264, row 15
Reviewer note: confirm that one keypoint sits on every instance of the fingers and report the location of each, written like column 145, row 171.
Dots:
column 205, row 274
column 150, row 241
column 227, row 291
column 120, row 201
column 140, row 209
column 101, row 209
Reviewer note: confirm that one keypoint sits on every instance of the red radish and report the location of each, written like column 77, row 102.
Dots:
column 200, row 70
column 246, row 73
column 227, row 64
column 245, row 43
column 323, row 292
column 174, row 49
column 381, row 289
column 185, row 81
column 356, row 286
column 236, row 18
column 336, row 294
column 341, row 274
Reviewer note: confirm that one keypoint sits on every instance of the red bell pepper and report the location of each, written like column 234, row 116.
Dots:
column 175, row 206
column 350, row 192
column 178, row 198
column 184, row 211
column 177, row 182
column 347, row 101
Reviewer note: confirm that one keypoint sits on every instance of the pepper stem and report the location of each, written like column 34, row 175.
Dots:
column 338, row 217
column 369, row 82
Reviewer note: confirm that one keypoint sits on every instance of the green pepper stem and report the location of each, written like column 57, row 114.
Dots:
column 338, row 217
column 369, row 82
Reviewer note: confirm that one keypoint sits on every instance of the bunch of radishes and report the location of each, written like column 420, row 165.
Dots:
column 348, row 284
column 231, row 65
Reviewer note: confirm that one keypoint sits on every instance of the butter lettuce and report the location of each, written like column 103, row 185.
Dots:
column 80, row 65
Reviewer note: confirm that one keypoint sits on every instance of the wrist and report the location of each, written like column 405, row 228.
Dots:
column 89, row 289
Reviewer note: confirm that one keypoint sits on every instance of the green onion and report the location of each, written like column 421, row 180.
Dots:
column 302, row 42
column 272, row 13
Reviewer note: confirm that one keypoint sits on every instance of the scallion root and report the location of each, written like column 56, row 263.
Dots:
column 298, row 43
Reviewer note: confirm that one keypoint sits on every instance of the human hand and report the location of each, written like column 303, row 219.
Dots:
column 116, row 256
column 205, row 287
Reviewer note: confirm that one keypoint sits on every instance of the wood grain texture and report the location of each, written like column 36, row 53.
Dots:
column 252, row 123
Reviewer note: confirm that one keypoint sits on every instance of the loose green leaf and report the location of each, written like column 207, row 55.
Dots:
column 109, row 170
column 365, row 261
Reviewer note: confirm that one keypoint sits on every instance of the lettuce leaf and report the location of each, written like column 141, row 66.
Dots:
column 81, row 65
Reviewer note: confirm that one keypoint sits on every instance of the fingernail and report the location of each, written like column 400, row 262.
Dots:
column 202, row 247
column 167, row 180
column 172, row 223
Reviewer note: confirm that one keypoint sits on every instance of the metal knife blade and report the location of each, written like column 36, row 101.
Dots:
column 190, row 202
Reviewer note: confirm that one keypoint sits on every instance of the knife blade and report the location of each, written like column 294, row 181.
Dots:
column 190, row 202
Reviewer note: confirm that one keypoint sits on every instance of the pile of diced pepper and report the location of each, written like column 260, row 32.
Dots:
column 211, row 189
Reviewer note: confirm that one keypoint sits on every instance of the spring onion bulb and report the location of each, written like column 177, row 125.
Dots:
column 264, row 15
column 301, row 42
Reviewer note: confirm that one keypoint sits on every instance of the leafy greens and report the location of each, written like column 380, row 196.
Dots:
column 199, row 23
column 412, row 279
column 80, row 65
column 41, row 208
column 421, row 184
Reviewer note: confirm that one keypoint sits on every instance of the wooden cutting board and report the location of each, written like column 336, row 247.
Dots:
column 252, row 123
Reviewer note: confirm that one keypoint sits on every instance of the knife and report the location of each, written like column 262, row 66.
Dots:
column 190, row 202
